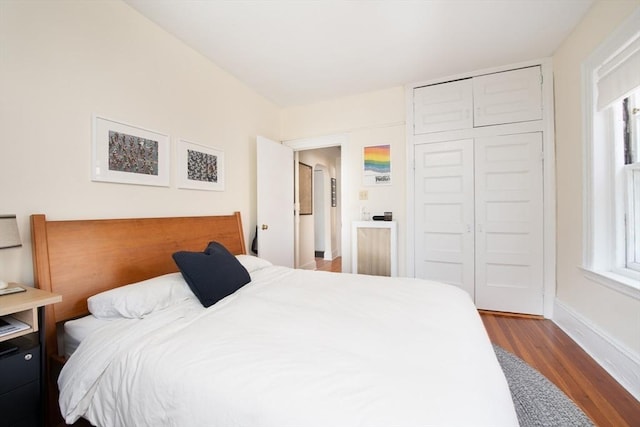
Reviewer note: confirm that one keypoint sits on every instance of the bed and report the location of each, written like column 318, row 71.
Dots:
column 289, row 348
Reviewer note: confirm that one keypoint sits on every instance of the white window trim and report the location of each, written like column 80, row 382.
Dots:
column 603, row 230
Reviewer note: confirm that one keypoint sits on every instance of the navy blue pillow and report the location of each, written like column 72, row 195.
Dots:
column 212, row 274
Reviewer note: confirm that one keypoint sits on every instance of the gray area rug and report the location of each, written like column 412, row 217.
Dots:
column 537, row 400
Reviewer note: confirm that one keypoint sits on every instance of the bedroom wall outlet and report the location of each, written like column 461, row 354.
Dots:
column 364, row 195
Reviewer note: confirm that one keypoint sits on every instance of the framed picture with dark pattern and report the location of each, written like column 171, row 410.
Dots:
column 200, row 167
column 128, row 154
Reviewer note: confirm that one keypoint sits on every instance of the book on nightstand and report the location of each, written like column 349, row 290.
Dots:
column 9, row 325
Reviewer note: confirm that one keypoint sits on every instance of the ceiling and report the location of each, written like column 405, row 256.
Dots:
column 296, row 52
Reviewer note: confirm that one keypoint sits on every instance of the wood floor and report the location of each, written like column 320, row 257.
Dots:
column 544, row 346
column 335, row 265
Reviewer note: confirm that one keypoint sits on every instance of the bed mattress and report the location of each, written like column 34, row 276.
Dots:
column 295, row 348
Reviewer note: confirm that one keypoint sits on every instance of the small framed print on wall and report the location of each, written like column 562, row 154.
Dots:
column 334, row 199
column 200, row 167
column 128, row 154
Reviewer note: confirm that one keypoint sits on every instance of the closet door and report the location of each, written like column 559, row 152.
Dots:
column 442, row 107
column 507, row 97
column 444, row 213
column 509, row 223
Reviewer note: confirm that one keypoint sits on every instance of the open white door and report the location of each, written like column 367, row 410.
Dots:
column 275, row 206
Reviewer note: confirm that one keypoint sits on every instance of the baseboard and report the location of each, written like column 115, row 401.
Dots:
column 621, row 363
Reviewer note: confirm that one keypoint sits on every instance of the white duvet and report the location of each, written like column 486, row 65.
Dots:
column 295, row 348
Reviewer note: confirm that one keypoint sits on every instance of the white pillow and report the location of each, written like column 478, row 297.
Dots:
column 139, row 299
column 253, row 263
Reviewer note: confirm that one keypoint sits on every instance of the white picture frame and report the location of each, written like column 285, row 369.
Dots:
column 200, row 167
column 128, row 154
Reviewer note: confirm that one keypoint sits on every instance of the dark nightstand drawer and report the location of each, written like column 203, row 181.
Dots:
column 21, row 406
column 21, row 367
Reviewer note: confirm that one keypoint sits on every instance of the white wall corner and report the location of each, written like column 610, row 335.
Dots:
column 620, row 362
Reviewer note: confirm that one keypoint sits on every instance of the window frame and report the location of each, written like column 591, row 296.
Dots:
column 605, row 200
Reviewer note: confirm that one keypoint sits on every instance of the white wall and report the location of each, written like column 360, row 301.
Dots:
column 374, row 118
column 62, row 61
column 611, row 314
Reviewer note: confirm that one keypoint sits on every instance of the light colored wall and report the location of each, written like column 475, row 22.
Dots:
column 374, row 118
column 62, row 61
column 616, row 315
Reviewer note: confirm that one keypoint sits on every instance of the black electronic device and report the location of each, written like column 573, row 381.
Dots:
column 388, row 216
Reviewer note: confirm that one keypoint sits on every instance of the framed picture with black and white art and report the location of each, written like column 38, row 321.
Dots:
column 200, row 167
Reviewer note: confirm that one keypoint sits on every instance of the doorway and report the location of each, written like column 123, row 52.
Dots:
column 316, row 151
column 318, row 233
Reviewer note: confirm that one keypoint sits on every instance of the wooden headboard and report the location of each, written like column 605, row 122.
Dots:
column 77, row 259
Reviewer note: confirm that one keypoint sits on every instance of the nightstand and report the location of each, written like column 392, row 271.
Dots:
column 21, row 383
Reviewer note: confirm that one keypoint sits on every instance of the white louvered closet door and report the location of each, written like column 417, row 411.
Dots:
column 444, row 213
column 509, row 223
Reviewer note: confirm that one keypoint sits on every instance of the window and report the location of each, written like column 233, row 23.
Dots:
column 631, row 141
column 612, row 156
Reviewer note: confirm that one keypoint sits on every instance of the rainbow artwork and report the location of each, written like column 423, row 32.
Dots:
column 377, row 165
